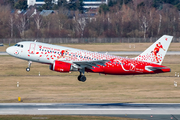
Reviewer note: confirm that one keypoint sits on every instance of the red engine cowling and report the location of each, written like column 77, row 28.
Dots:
column 60, row 66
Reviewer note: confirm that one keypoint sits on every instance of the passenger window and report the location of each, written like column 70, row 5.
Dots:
column 18, row 45
column 22, row 46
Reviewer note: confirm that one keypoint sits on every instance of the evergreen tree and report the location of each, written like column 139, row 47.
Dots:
column 111, row 3
column 159, row 3
column 62, row 3
column 124, row 1
column 10, row 2
column 178, row 6
column 103, row 8
column 80, row 6
column 21, row 4
column 48, row 4
column 72, row 5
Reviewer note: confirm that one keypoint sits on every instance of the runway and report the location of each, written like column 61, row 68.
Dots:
column 104, row 109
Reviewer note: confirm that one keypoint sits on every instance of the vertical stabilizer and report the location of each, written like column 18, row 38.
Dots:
column 157, row 51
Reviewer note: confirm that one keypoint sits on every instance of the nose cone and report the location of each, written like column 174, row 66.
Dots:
column 9, row 50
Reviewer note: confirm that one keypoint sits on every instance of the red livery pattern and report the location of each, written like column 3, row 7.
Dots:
column 151, row 57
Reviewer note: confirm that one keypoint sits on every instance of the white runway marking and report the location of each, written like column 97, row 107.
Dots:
column 9, row 112
column 99, row 109
column 43, row 104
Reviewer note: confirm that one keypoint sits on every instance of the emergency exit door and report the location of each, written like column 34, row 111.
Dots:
column 32, row 48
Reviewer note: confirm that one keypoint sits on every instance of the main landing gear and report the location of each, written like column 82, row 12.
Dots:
column 29, row 65
column 82, row 77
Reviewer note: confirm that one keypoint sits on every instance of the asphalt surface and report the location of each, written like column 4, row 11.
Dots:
column 124, row 53
column 132, row 110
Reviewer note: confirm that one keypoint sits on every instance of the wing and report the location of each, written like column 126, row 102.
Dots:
column 90, row 64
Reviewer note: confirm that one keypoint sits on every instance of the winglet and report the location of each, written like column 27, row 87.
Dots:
column 157, row 51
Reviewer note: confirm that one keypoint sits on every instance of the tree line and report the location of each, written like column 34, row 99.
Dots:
column 120, row 18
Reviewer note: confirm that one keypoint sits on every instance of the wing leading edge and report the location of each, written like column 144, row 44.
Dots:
column 90, row 64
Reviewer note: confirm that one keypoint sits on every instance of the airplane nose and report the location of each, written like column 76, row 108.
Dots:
column 9, row 50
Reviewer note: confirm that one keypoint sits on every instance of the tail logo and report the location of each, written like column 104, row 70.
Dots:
column 154, row 55
column 156, row 50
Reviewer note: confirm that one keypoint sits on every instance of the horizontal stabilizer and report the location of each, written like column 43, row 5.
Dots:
column 157, row 69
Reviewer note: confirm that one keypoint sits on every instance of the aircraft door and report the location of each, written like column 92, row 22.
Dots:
column 32, row 48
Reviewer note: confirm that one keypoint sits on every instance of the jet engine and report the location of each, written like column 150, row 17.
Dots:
column 60, row 66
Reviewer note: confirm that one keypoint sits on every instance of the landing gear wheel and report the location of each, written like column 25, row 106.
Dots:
column 29, row 65
column 27, row 69
column 82, row 78
column 79, row 77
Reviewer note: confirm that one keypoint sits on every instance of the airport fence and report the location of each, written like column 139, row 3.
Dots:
column 85, row 40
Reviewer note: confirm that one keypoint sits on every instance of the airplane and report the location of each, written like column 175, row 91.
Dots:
column 66, row 59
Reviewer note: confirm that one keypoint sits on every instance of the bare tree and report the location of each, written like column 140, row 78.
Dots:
column 11, row 24
column 80, row 23
column 38, row 20
column 21, row 24
column 4, row 17
column 144, row 25
column 159, row 26
column 61, row 20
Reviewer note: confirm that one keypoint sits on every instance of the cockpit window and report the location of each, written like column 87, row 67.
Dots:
column 19, row 45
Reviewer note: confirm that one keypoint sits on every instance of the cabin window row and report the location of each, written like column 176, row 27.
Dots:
column 67, row 54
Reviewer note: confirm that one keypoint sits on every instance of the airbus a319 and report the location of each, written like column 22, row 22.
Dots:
column 66, row 59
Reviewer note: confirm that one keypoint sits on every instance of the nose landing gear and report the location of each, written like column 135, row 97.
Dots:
column 29, row 65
